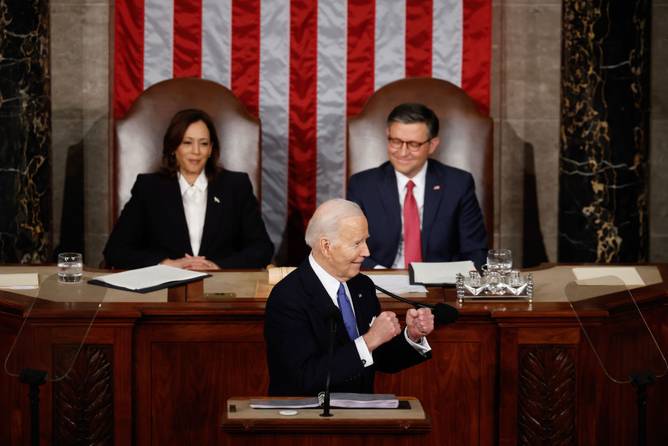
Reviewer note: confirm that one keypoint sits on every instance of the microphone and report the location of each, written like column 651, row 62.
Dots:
column 443, row 314
column 326, row 395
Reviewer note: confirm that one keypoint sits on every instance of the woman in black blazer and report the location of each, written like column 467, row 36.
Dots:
column 191, row 214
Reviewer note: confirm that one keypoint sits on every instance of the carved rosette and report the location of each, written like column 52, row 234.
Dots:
column 83, row 410
column 546, row 400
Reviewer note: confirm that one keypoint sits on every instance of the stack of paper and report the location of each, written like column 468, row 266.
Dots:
column 19, row 281
column 148, row 279
column 342, row 400
column 438, row 273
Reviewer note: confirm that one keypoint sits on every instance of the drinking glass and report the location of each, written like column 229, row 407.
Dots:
column 500, row 260
column 70, row 267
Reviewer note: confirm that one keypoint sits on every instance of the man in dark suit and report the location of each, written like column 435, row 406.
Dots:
column 327, row 289
column 418, row 208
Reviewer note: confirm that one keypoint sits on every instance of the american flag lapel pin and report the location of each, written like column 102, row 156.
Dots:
column 216, row 199
column 437, row 187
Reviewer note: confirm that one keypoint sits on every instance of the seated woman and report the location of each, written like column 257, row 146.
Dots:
column 192, row 214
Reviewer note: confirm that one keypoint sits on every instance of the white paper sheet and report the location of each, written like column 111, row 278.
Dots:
column 19, row 281
column 596, row 275
column 138, row 279
column 396, row 283
column 440, row 272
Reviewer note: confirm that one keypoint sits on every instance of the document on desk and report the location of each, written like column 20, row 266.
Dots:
column 438, row 273
column 151, row 278
column 396, row 283
column 608, row 275
column 341, row 400
column 19, row 281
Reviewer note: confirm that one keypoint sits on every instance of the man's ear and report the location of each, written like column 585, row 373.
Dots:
column 433, row 145
column 325, row 246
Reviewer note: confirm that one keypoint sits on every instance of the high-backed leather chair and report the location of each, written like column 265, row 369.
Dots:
column 139, row 135
column 465, row 133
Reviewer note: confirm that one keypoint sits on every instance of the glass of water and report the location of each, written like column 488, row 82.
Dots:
column 70, row 267
column 500, row 260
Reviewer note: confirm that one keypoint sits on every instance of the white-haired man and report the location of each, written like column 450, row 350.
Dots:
column 329, row 285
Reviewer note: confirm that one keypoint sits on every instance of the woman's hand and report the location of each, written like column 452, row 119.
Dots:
column 195, row 263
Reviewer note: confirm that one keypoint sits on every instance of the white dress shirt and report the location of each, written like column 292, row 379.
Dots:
column 420, row 181
column 194, row 205
column 331, row 285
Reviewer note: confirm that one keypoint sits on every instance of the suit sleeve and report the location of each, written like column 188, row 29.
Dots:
column 472, row 233
column 126, row 247
column 297, row 356
column 354, row 194
column 255, row 248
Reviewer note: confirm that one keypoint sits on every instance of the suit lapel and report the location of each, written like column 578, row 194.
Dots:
column 433, row 195
column 214, row 215
column 359, row 304
column 321, row 303
column 389, row 197
column 177, row 216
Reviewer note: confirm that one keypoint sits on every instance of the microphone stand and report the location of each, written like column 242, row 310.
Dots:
column 34, row 379
column 332, row 333
column 640, row 381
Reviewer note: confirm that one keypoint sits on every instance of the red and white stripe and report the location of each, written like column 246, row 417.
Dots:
column 302, row 66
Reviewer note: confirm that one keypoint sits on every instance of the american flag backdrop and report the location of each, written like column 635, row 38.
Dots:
column 302, row 67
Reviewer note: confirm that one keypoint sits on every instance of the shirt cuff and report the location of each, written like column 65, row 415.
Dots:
column 363, row 351
column 422, row 347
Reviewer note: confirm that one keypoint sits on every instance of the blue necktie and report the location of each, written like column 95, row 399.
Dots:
column 347, row 313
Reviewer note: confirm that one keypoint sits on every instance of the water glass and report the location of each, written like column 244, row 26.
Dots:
column 500, row 260
column 70, row 267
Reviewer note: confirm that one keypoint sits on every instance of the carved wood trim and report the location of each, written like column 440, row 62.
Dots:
column 546, row 397
column 83, row 409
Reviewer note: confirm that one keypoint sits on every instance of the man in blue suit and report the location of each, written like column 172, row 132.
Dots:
column 418, row 209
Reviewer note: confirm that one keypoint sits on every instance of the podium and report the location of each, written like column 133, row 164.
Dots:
column 406, row 425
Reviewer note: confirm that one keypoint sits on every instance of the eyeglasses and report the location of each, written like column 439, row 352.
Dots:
column 413, row 146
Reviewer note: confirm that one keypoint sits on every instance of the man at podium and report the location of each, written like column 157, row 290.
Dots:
column 326, row 299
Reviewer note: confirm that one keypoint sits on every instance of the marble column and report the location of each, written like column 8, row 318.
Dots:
column 604, row 137
column 25, row 131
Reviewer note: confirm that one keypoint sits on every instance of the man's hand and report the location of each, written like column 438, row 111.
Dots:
column 385, row 326
column 419, row 323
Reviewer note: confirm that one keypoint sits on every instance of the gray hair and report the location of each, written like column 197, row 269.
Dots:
column 327, row 218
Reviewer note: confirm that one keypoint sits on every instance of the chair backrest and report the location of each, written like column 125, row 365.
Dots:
column 465, row 133
column 138, row 137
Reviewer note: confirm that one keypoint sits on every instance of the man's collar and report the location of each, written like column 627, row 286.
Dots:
column 329, row 282
column 419, row 179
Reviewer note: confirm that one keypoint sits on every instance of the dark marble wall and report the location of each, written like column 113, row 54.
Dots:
column 25, row 131
column 604, row 131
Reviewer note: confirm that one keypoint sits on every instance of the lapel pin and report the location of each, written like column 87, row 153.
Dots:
column 216, row 199
column 359, row 296
column 437, row 187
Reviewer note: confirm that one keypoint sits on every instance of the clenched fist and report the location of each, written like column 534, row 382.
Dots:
column 419, row 323
column 384, row 327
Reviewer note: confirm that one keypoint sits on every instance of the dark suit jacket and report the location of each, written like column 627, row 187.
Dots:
column 297, row 330
column 452, row 224
column 152, row 226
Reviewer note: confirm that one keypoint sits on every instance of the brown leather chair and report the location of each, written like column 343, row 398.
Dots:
column 139, row 135
column 465, row 133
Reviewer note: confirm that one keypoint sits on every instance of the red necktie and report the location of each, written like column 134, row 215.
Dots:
column 412, row 242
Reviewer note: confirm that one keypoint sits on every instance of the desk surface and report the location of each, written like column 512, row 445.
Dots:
column 244, row 291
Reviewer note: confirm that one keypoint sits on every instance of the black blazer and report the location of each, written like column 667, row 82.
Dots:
column 452, row 224
column 297, row 331
column 152, row 226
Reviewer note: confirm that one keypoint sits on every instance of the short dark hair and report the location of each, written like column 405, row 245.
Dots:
column 174, row 136
column 412, row 113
